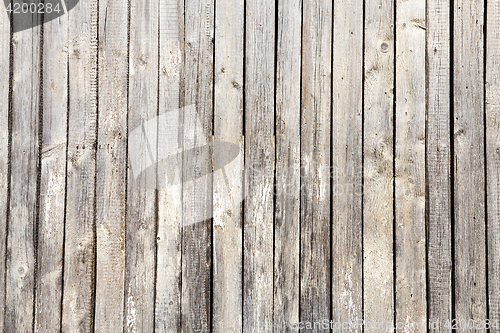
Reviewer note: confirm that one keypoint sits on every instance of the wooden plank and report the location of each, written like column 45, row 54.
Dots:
column 4, row 151
column 169, row 175
column 53, row 176
column 378, row 163
column 21, row 243
column 287, row 204
column 438, row 167
column 141, row 196
column 411, row 304
column 347, row 166
column 111, row 165
column 493, row 158
column 259, row 163
column 228, row 168
column 197, row 166
column 315, row 136
column 469, row 167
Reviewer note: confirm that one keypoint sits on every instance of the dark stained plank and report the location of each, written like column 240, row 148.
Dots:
column 315, row 136
column 347, row 155
column 111, row 165
column 228, row 167
column 469, row 163
column 259, row 163
column 287, row 204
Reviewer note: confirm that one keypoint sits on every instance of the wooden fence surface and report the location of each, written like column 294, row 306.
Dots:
column 250, row 166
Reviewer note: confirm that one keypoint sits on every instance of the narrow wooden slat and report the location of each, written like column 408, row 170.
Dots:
column 228, row 168
column 20, row 275
column 469, row 167
column 493, row 158
column 53, row 177
column 411, row 304
column 141, row 196
column 197, row 166
column 259, row 162
column 111, row 165
column 168, row 270
column 438, row 167
column 287, row 206
column 315, row 136
column 347, row 155
column 378, row 163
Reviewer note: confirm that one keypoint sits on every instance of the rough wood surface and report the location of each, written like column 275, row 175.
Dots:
column 378, row 163
column 111, row 187
column 347, row 164
column 315, row 268
column 287, row 201
column 228, row 170
column 259, row 163
column 469, row 164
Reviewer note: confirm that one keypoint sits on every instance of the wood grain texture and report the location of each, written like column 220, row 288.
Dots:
column 493, row 157
column 21, row 233
column 197, row 166
column 347, row 164
column 111, row 165
column 287, row 200
column 169, row 175
column 228, row 170
column 315, row 268
column 438, row 165
column 469, row 164
column 259, row 164
column 378, row 163
column 410, row 252
column 53, row 177
column 141, row 196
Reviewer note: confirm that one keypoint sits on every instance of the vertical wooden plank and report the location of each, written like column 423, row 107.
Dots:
column 111, row 165
column 259, row 162
column 4, row 150
column 287, row 205
column 493, row 158
column 315, row 138
column 439, row 255
column 228, row 176
column 378, row 163
column 347, row 155
column 411, row 303
column 197, row 166
column 469, row 187
column 20, row 276
column 53, row 176
column 141, row 196
column 168, row 286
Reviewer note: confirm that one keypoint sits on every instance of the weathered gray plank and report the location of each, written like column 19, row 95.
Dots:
column 228, row 169
column 287, row 205
column 438, row 165
column 111, row 165
column 469, row 170
column 20, row 275
column 493, row 158
column 168, row 270
column 53, row 177
column 259, row 162
column 347, row 155
column 315, row 269
column 378, row 163
column 411, row 305
column 197, row 166
column 4, row 150
column 141, row 196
